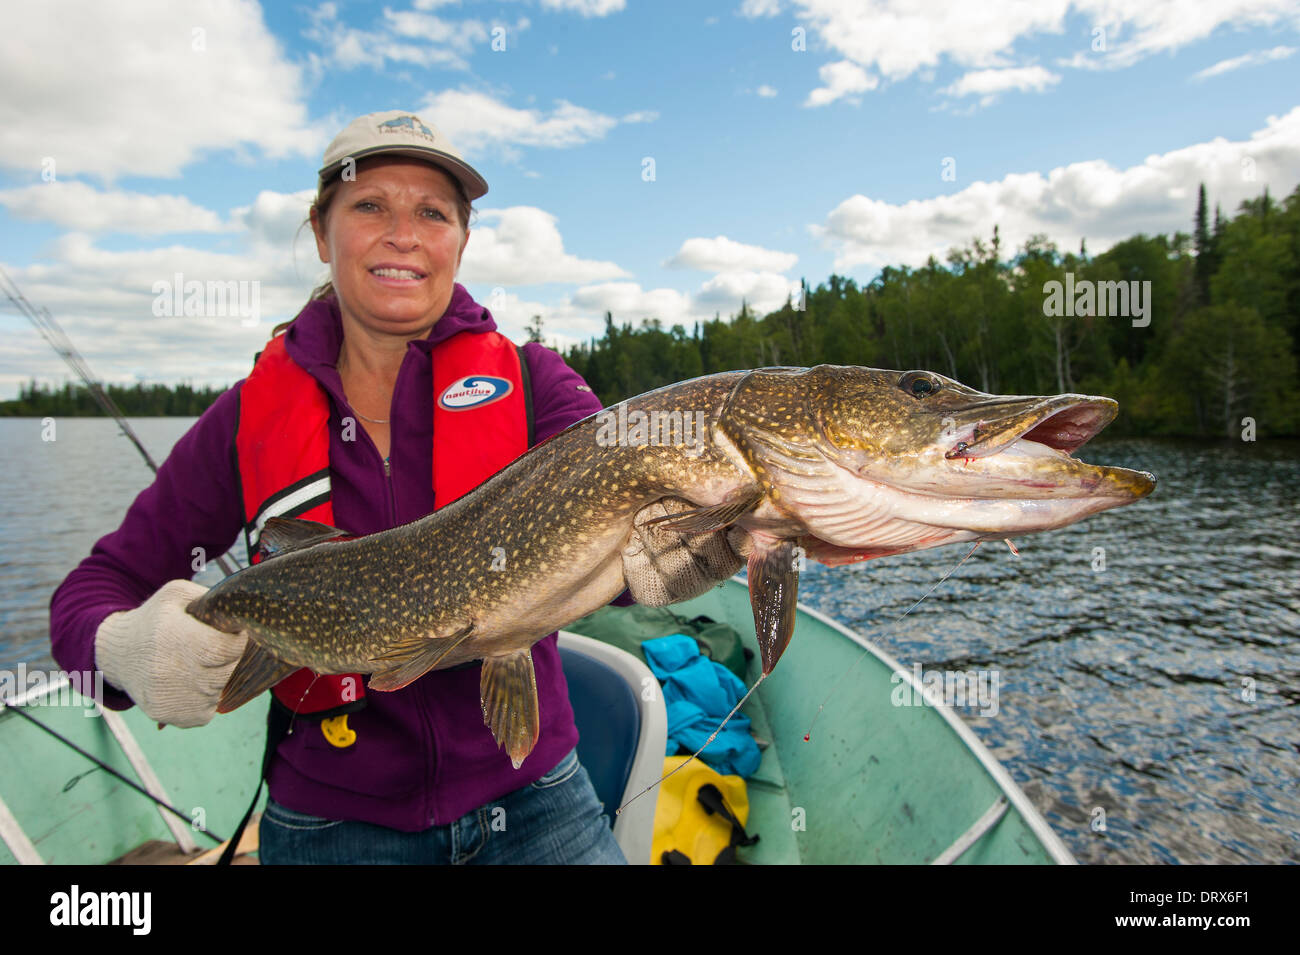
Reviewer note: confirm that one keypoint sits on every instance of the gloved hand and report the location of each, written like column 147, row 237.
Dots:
column 663, row 566
column 170, row 664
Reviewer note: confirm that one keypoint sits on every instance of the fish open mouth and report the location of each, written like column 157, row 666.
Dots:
column 1070, row 429
column 1063, row 424
column 1036, row 439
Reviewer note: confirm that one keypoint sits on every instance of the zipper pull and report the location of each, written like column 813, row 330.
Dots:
column 388, row 471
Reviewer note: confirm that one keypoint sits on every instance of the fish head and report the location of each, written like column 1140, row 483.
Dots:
column 914, row 459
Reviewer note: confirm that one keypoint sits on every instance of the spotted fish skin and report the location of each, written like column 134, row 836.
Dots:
column 841, row 463
column 533, row 548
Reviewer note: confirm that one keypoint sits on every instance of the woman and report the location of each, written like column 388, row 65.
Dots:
column 406, row 776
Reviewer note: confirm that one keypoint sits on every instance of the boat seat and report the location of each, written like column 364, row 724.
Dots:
column 622, row 734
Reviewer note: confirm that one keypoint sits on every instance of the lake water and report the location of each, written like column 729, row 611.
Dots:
column 1147, row 691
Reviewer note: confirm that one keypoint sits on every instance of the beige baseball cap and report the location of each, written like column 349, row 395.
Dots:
column 398, row 133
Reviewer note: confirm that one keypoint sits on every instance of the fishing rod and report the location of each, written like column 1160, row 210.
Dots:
column 109, row 769
column 58, row 340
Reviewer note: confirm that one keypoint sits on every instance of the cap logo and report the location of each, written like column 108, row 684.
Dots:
column 406, row 122
column 474, row 391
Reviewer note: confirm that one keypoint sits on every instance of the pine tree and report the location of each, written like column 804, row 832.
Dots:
column 1204, row 250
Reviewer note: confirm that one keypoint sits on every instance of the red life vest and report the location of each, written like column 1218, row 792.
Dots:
column 282, row 448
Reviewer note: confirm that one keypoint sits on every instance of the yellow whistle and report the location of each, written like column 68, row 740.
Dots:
column 336, row 731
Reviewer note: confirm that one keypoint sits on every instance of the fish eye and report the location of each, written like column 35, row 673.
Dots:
column 919, row 384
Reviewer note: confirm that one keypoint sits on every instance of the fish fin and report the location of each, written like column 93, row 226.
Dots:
column 701, row 520
column 832, row 555
column 508, row 692
column 257, row 671
column 280, row 535
column 773, row 592
column 410, row 659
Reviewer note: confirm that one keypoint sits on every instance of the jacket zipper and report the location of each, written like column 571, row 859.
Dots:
column 421, row 705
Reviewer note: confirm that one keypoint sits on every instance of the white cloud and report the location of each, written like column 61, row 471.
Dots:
column 766, row 91
column 1256, row 58
column 760, row 8
column 641, row 116
column 628, row 302
column 76, row 205
column 898, row 38
column 476, row 122
column 401, row 36
column 1086, row 199
column 1136, row 29
column 128, row 106
column 275, row 220
column 104, row 299
column 842, row 79
column 562, row 325
column 988, row 83
column 763, row 291
column 580, row 315
column 743, row 273
column 721, row 254
column 587, row 8
column 524, row 247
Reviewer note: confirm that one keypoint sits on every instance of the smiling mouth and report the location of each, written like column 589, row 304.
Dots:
column 391, row 273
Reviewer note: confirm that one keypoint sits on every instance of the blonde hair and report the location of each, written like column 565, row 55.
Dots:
column 320, row 206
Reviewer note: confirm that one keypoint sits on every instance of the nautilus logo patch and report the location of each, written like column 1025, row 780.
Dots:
column 474, row 391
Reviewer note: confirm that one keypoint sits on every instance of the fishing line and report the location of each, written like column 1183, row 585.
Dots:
column 807, row 737
column 698, row 751
column 110, row 770
column 761, row 676
column 293, row 717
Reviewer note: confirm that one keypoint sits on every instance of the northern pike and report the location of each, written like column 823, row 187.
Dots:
column 837, row 463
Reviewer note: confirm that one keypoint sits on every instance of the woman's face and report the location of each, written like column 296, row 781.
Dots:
column 393, row 241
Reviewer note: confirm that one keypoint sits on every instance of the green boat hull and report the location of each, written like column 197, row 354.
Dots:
column 878, row 783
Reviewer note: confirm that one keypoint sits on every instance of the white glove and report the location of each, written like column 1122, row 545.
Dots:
column 663, row 566
column 173, row 666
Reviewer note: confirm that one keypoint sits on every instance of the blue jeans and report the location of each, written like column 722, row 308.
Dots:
column 556, row 820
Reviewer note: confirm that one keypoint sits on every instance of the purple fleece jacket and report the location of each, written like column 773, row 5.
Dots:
column 422, row 755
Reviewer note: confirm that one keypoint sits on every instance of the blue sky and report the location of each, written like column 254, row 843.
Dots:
column 789, row 138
